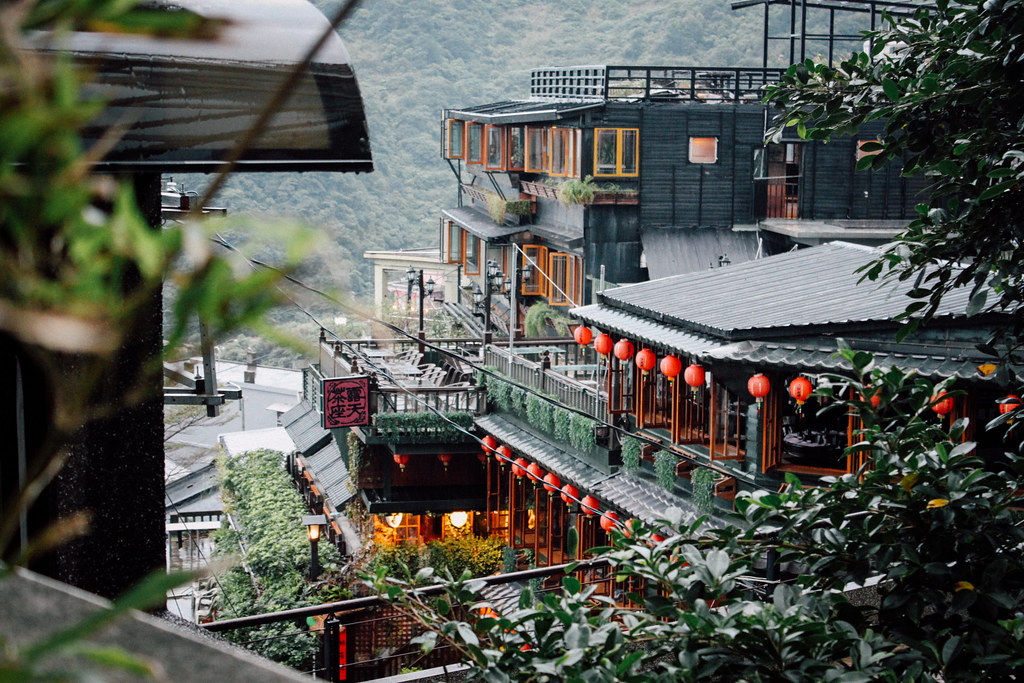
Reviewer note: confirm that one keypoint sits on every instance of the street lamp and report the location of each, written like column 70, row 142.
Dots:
column 313, row 524
column 411, row 276
column 511, row 287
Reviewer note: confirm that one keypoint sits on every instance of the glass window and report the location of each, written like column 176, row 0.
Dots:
column 495, row 148
column 562, row 152
column 535, row 257
column 475, row 143
column 536, row 149
column 456, row 131
column 616, row 151
column 517, row 148
column 454, row 250
column 565, row 272
column 472, row 254
column 703, row 150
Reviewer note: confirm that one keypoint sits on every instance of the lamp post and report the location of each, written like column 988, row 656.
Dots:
column 412, row 275
column 313, row 524
column 512, row 287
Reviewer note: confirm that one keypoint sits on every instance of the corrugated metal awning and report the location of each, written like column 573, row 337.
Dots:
column 481, row 225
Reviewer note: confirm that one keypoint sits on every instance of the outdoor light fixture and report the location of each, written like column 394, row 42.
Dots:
column 413, row 276
column 458, row 519
column 394, row 520
column 313, row 524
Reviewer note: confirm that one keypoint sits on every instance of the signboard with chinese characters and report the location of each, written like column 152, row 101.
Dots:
column 345, row 402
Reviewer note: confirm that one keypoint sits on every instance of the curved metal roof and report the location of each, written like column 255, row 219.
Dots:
column 185, row 103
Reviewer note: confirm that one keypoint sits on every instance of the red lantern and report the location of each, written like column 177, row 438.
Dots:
column 657, row 538
column 603, row 344
column 670, row 367
column 552, row 483
column 503, row 455
column 445, row 459
column 536, row 472
column 942, row 403
column 402, row 459
column 623, row 349
column 694, row 376
column 519, row 467
column 609, row 520
column 570, row 494
column 758, row 386
column 645, row 359
column 582, row 335
column 876, row 400
column 489, row 443
column 590, row 505
column 1009, row 404
column 627, row 529
column 800, row 389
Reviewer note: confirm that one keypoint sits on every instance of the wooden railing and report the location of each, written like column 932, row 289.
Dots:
column 587, row 397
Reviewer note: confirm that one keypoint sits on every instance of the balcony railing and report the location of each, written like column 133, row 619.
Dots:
column 698, row 83
column 586, row 396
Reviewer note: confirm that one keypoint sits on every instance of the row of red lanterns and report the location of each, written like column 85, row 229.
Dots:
column 645, row 359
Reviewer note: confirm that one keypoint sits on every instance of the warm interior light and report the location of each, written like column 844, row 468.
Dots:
column 313, row 531
column 703, row 150
column 458, row 519
column 531, row 519
column 393, row 520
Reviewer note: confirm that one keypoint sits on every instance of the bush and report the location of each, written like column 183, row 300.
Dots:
column 481, row 556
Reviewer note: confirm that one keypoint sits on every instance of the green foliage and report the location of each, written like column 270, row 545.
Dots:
column 581, row 432
column 665, row 468
column 401, row 559
column 540, row 413
column 562, row 424
column 541, row 317
column 928, row 519
column 631, row 447
column 945, row 83
column 574, row 191
column 497, row 207
column 478, row 556
column 703, row 479
column 424, row 427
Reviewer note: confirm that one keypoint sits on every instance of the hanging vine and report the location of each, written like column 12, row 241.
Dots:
column 665, row 467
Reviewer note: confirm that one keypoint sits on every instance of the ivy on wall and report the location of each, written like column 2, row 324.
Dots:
column 567, row 426
column 425, row 427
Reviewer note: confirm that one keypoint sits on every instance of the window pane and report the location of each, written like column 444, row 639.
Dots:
column 454, row 243
column 558, row 151
column 604, row 152
column 536, row 149
column 472, row 254
column 629, row 152
column 476, row 147
column 456, row 138
column 703, row 150
column 494, row 148
column 516, row 147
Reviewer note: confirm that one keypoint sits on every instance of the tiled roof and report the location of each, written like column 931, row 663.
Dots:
column 646, row 330
column 330, row 473
column 812, row 288
column 303, row 424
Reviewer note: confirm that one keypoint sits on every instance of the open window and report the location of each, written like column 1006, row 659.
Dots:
column 616, row 151
column 536, row 149
column 535, row 256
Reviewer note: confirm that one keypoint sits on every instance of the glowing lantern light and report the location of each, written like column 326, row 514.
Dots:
column 402, row 459
column 670, row 367
column 552, row 483
column 503, row 454
column 603, row 344
column 943, row 403
column 570, row 494
column 758, row 387
column 582, row 335
column 694, row 377
column 645, row 360
column 445, row 459
column 1008, row 404
column 800, row 389
column 609, row 520
column 590, row 505
column 623, row 349
column 519, row 467
column 535, row 472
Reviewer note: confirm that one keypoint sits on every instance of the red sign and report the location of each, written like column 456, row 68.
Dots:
column 345, row 402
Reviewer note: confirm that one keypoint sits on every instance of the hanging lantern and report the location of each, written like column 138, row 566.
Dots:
column 942, row 403
column 645, row 360
column 489, row 443
column 603, row 344
column 552, row 483
column 694, row 377
column 582, row 335
column 609, row 520
column 623, row 349
column 627, row 528
column 657, row 538
column 535, row 472
column 570, row 494
column 503, row 454
column 758, row 387
column 590, row 505
column 1008, row 404
column 800, row 389
column 876, row 400
column 402, row 459
column 445, row 459
column 670, row 367
column 519, row 467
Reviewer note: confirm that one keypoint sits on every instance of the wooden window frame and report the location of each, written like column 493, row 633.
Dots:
column 542, row 139
column 467, row 237
column 538, row 284
column 620, row 134
column 499, row 131
column 563, row 161
column 655, row 398
column 728, row 446
column 471, row 130
column 449, row 138
column 621, row 382
column 454, row 255
column 513, row 133
column 700, row 140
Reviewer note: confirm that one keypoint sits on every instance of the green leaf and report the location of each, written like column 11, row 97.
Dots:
column 891, row 89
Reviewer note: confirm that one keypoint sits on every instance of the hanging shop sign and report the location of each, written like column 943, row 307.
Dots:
column 345, row 402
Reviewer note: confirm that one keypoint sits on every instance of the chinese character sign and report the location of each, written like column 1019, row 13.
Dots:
column 346, row 402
